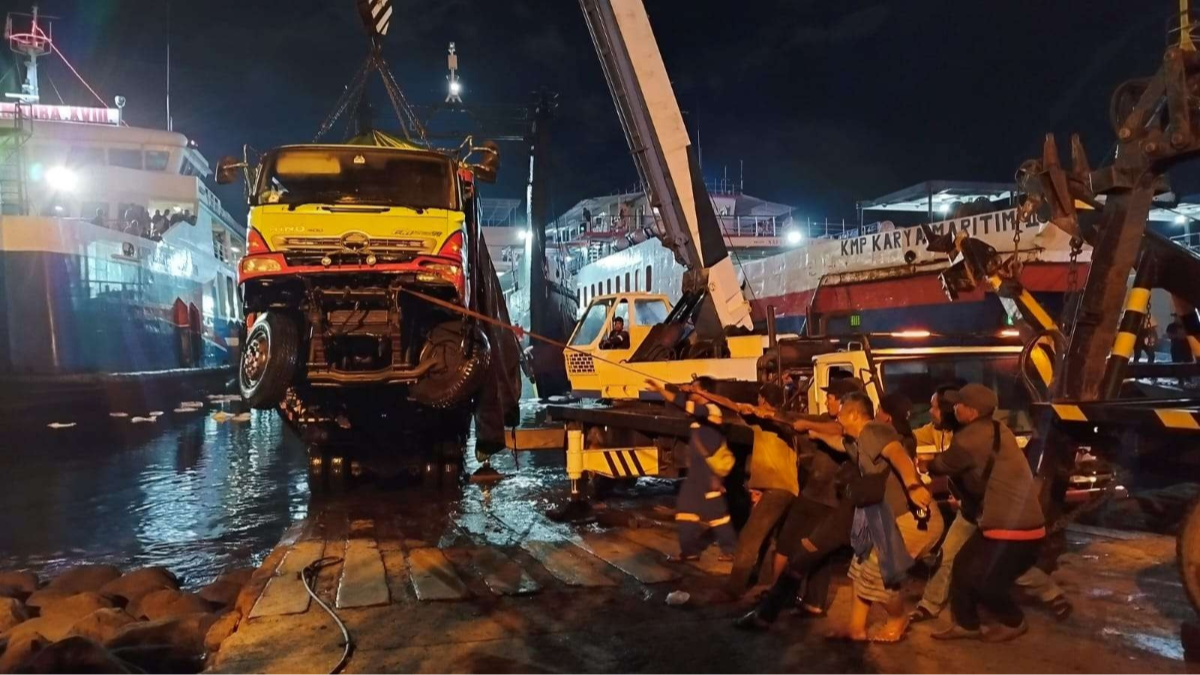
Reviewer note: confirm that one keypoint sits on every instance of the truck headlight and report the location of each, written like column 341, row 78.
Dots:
column 257, row 265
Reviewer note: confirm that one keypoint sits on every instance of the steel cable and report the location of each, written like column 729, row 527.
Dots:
column 308, row 576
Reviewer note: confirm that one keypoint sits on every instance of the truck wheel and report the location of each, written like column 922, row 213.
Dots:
column 269, row 358
column 455, row 378
column 1188, row 553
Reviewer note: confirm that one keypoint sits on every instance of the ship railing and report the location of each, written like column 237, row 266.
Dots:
column 1190, row 240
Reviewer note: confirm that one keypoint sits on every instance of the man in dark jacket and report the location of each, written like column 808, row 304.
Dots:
column 994, row 478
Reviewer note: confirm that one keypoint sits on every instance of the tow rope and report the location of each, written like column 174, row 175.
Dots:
column 521, row 332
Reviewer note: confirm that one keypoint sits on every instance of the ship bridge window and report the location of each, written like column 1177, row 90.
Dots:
column 80, row 155
column 592, row 323
column 157, row 160
column 130, row 159
column 189, row 169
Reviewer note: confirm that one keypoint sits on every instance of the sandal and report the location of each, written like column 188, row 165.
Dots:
column 682, row 558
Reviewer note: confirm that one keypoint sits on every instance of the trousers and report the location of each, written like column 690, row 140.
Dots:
column 805, row 564
column 937, row 591
column 764, row 519
column 984, row 573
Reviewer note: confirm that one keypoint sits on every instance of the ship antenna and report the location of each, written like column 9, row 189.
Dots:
column 170, row 122
column 31, row 44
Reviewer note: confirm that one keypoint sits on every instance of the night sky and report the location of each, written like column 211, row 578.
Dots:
column 826, row 103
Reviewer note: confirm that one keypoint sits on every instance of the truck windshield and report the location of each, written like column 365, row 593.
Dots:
column 353, row 175
column 917, row 378
column 593, row 322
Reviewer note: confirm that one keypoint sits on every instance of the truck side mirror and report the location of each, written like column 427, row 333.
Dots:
column 489, row 162
column 227, row 168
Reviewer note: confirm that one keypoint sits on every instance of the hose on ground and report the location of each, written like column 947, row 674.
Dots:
column 309, row 577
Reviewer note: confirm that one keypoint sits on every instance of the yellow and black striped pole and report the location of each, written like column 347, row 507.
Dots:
column 1129, row 331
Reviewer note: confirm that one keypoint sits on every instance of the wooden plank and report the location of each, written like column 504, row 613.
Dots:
column 666, row 541
column 542, row 438
column 502, row 574
column 569, row 564
column 637, row 561
column 433, row 577
column 363, row 582
column 285, row 593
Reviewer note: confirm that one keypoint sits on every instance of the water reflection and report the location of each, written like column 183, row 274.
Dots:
column 189, row 493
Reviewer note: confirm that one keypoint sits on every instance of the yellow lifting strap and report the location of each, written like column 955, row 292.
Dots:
column 1185, row 27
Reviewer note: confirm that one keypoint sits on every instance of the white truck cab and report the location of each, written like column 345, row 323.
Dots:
column 918, row 371
column 597, row 371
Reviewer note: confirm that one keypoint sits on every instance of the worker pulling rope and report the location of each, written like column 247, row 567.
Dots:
column 309, row 577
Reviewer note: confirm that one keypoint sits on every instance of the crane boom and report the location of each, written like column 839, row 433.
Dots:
column 658, row 141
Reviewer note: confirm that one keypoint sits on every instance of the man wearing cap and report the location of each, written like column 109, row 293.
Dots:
column 993, row 477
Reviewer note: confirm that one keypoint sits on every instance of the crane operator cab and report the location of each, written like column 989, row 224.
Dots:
column 606, row 356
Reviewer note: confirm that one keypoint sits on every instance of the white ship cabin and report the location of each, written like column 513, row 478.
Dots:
column 83, row 165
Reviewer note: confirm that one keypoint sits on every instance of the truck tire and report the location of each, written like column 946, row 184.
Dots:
column 269, row 359
column 456, row 378
column 1187, row 551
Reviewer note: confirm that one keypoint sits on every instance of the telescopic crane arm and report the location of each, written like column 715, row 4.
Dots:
column 653, row 124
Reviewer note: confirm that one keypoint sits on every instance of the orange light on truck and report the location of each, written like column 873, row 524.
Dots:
column 911, row 334
column 453, row 246
column 255, row 243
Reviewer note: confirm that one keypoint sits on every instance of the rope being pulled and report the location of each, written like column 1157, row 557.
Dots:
column 520, row 332
column 309, row 577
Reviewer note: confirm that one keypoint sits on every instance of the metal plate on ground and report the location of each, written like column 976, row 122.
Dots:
column 666, row 541
column 363, row 582
column 433, row 577
column 569, row 564
column 285, row 593
column 502, row 574
column 637, row 561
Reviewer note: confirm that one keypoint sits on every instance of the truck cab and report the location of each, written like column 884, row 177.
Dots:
column 340, row 239
column 917, row 371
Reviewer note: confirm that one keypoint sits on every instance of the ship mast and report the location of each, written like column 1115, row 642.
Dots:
column 31, row 44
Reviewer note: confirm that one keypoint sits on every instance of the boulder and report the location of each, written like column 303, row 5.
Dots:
column 73, row 655
column 184, row 634
column 137, row 584
column 238, row 576
column 167, row 603
column 101, row 625
column 84, row 578
column 221, row 594
column 18, row 585
column 21, row 650
column 12, row 612
column 44, row 595
column 72, row 608
column 160, row 659
column 221, row 629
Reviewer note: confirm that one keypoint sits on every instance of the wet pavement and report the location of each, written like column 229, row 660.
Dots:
column 189, row 492
column 486, row 582
column 434, row 574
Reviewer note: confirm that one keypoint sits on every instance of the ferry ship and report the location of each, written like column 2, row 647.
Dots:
column 117, row 262
column 823, row 279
